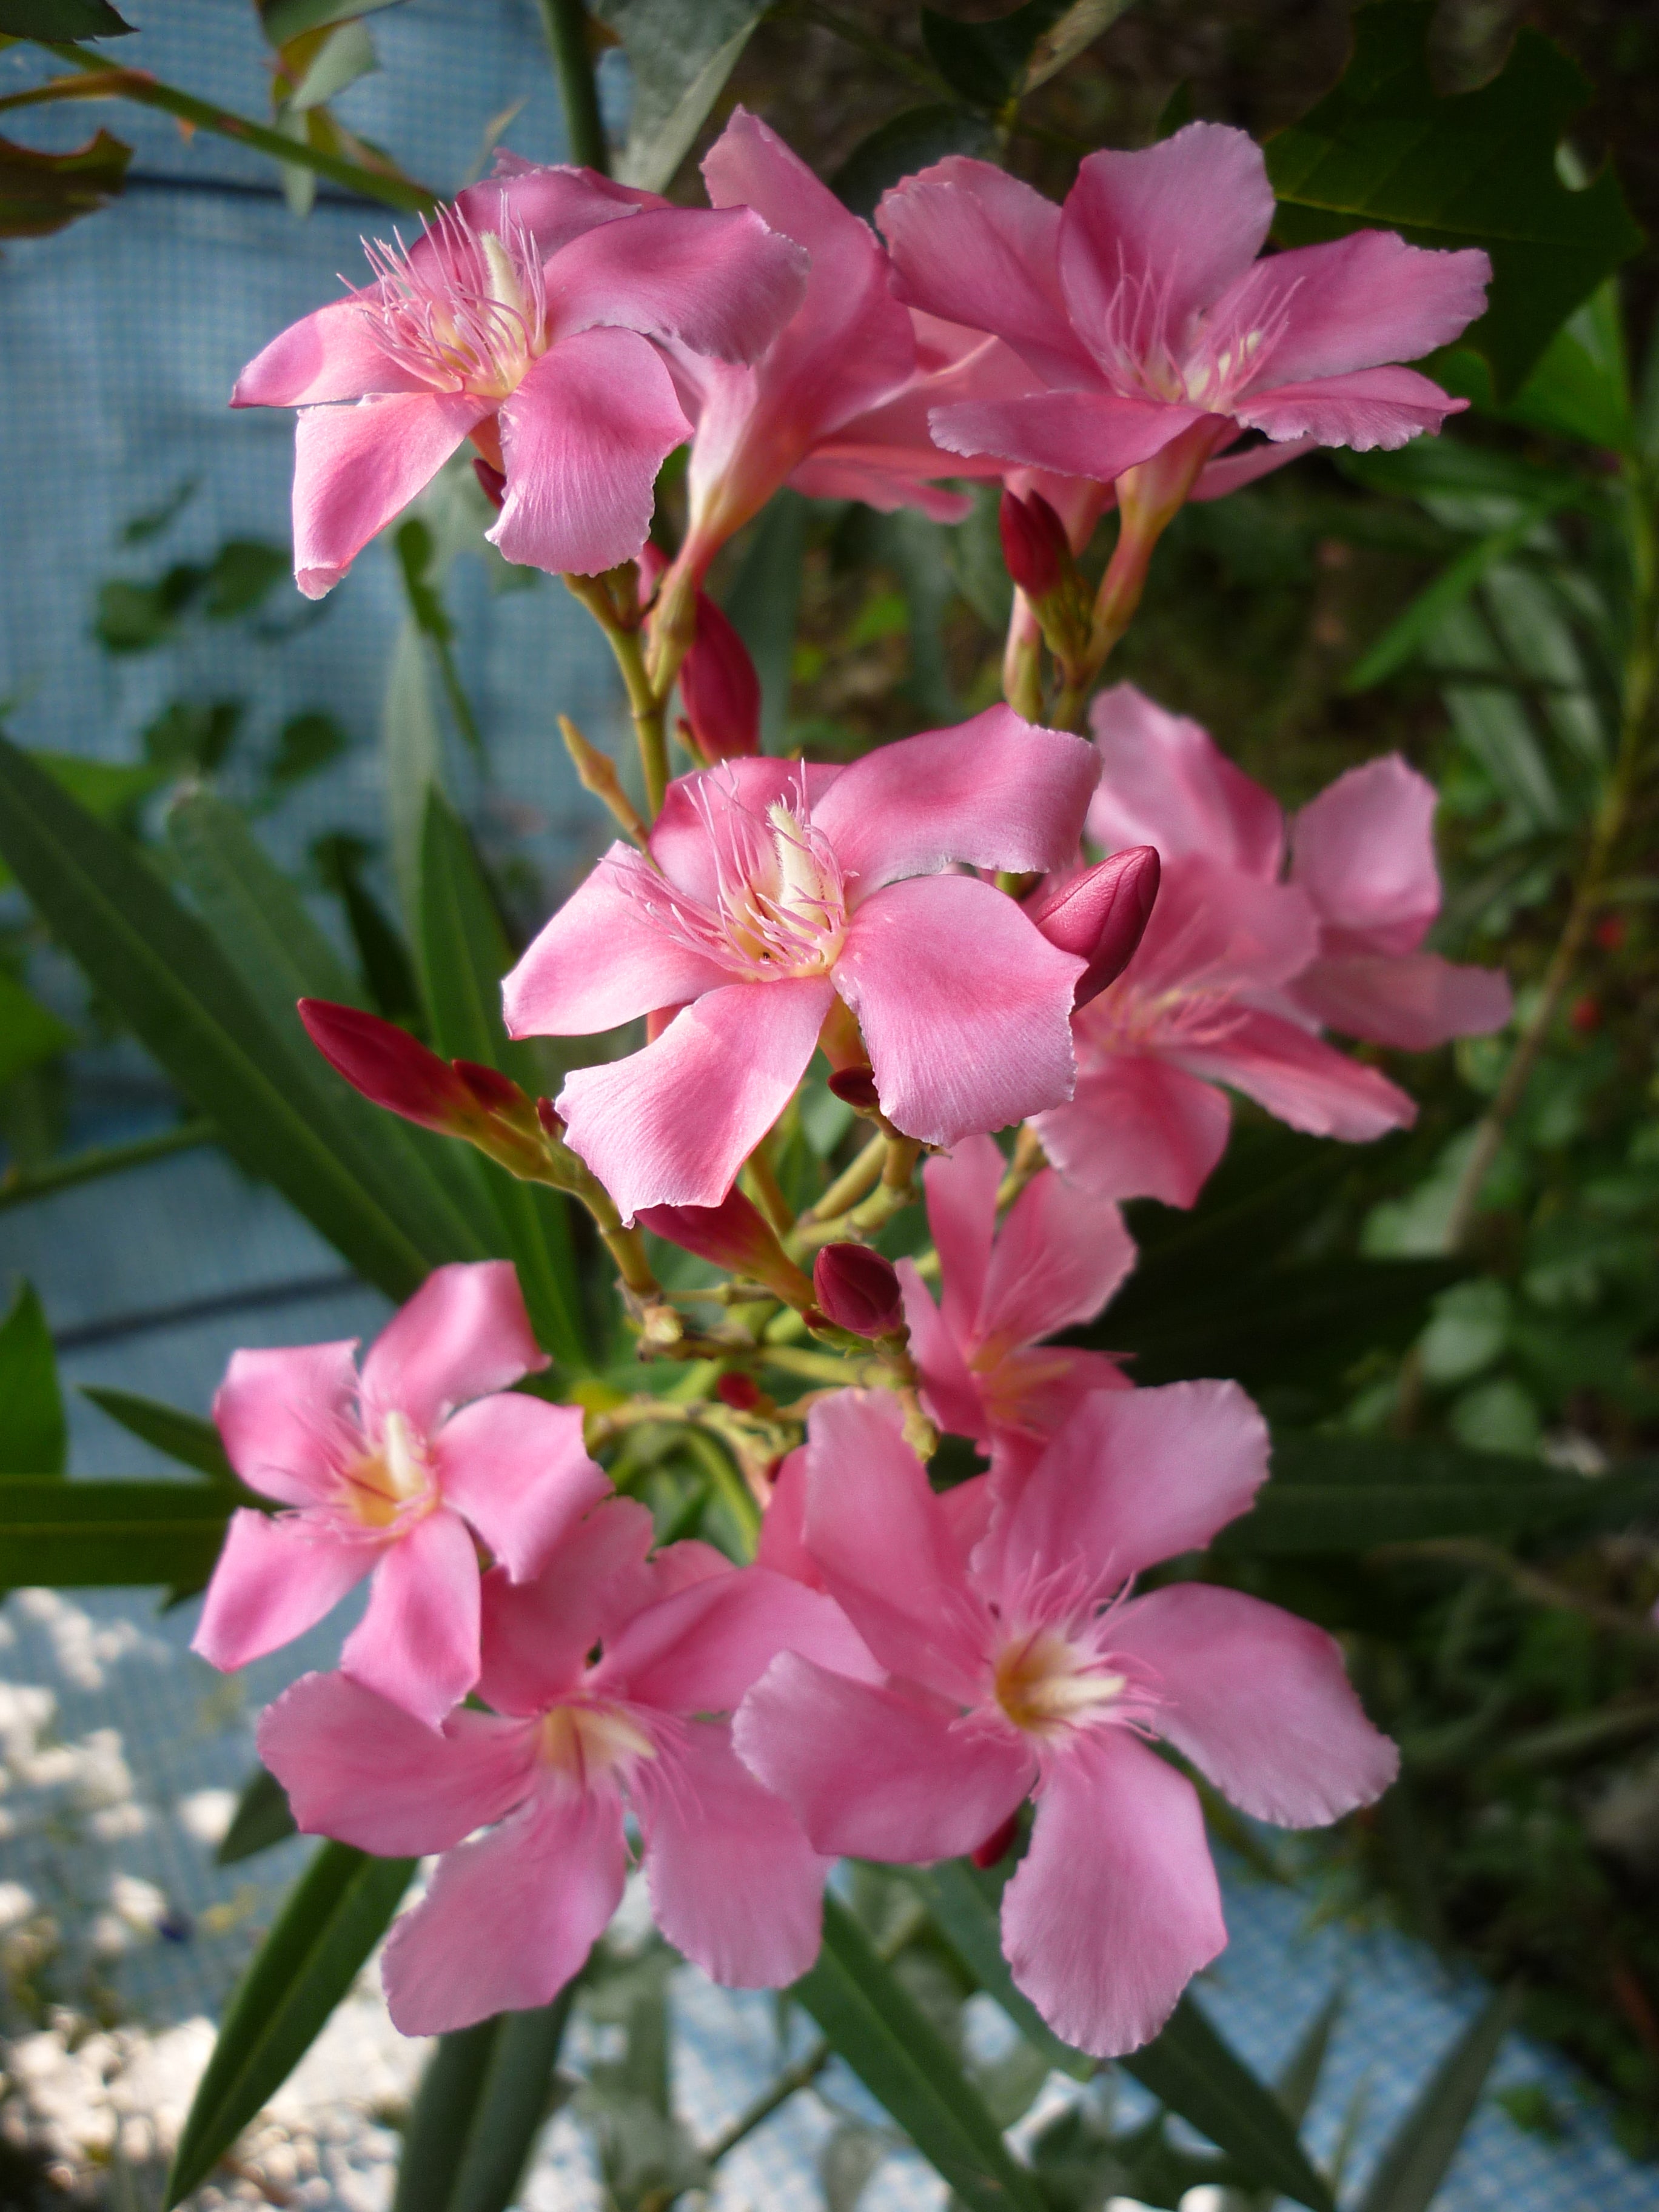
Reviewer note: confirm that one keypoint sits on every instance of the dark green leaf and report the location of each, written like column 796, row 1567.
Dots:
column 871, row 2021
column 1382, row 149
column 61, row 19
column 143, row 527
column 1412, row 629
column 388, row 971
column 986, row 62
column 110, row 1536
column 904, row 143
column 332, row 1919
column 244, row 571
column 290, row 19
column 193, row 734
column 1580, row 388
column 184, row 1437
column 29, row 1032
column 482, row 2099
column 262, row 1819
column 681, row 51
column 34, row 1436
column 306, row 745
column 1415, row 2159
column 135, row 617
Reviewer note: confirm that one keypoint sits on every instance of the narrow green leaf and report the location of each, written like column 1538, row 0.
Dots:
column 29, row 1032
column 482, row 2099
column 871, row 2022
column 960, row 1904
column 147, row 956
column 33, row 1435
column 184, row 1437
column 331, row 1920
column 1415, row 2159
column 262, row 1819
column 681, row 51
column 61, row 19
column 110, row 1535
column 1410, row 630
column 1580, row 387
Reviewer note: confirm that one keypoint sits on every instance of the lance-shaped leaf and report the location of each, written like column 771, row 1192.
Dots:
column 332, row 1919
column 41, row 193
column 681, row 51
column 184, row 1437
column 1415, row 2159
column 110, row 1535
column 482, row 2099
column 33, row 1438
column 61, row 19
column 262, row 1819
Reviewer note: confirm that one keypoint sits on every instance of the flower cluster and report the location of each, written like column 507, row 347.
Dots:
column 1005, row 926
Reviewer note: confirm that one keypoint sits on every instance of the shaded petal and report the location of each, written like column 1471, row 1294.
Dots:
column 1031, row 1393
column 1114, row 1907
column 332, row 354
column 1134, row 1477
column 535, row 1637
column 887, row 488
column 417, row 1644
column 1415, row 1002
column 720, row 281
column 602, row 960
column 554, row 201
column 699, row 1650
column 1163, row 781
column 949, row 1393
column 357, row 467
column 362, row 1770
column 1364, row 852
column 1302, row 1081
column 1097, row 434
column 738, row 1052
column 464, row 1334
column 1149, row 238
column 508, row 1918
column 1058, row 1258
column 1259, row 1701
column 1374, row 407
column 1232, row 472
column 874, row 1774
column 734, row 1883
column 1351, row 303
column 274, row 1580
column 1214, row 931
column 783, row 1546
column 516, row 1468
column 967, row 1510
column 961, row 1190
column 287, row 1418
column 1136, row 1127
column 884, row 1548
column 958, row 1045
column 582, row 439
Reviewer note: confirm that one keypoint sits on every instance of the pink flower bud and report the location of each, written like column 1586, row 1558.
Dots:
column 1100, row 915
column 858, row 1290
column 389, row 1067
column 735, row 1236
column 1034, row 544
column 719, row 688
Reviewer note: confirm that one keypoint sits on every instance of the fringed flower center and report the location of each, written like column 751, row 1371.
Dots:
column 588, row 1744
column 1048, row 1686
column 394, row 1485
column 465, row 310
column 1201, row 365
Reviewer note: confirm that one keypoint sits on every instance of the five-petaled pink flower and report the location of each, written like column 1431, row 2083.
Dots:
column 522, row 318
column 1238, row 967
column 1054, row 1263
column 772, row 886
column 574, row 1743
column 1142, row 311
column 382, row 1475
column 1026, row 1668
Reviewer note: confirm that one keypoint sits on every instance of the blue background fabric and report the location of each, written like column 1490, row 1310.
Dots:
column 119, row 343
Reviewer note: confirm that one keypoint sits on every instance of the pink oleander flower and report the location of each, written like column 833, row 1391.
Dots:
column 1025, row 1667
column 1237, row 968
column 1054, row 1262
column 1143, row 313
column 574, row 1743
column 400, row 1473
column 772, row 887
column 523, row 319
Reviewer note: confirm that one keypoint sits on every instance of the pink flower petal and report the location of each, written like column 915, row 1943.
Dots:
column 332, row 354
column 287, row 1416
column 961, row 1191
column 274, row 1580
column 886, row 488
column 738, row 1052
column 720, row 281
column 1364, row 852
column 996, row 791
column 1213, row 931
column 357, row 467
column 1134, row 1477
column 601, row 961
column 463, row 1334
column 966, row 1507
column 535, row 1636
column 417, row 1644
column 959, row 1049
column 1136, row 1127
column 1232, row 472
column 1259, row 1701
column 734, row 1884
column 782, row 1546
column 1160, row 234
column 1097, row 434
column 699, row 1650
column 1164, row 782
column 360, row 1769
column 949, row 1393
column 516, row 1468
column 1374, row 407
column 554, row 201
column 510, row 1918
column 1033, row 1391
column 1302, row 1081
column 1058, row 1259
column 582, row 439
column 1352, row 303
column 874, row 1773
column 1114, row 1907
column 883, row 1547
column 1416, row 1001
column 974, row 245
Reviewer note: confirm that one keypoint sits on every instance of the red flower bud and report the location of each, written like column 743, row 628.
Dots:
column 998, row 1845
column 741, row 1392
column 493, row 484
column 389, row 1067
column 1034, row 544
column 855, row 1087
column 858, row 1290
column 1100, row 915
column 719, row 688
column 735, row 1236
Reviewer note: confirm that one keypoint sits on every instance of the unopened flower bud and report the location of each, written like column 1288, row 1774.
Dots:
column 1100, row 915
column 858, row 1290
column 856, row 1087
column 1034, row 544
column 735, row 1236
column 719, row 688
column 741, row 1392
column 457, row 1098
